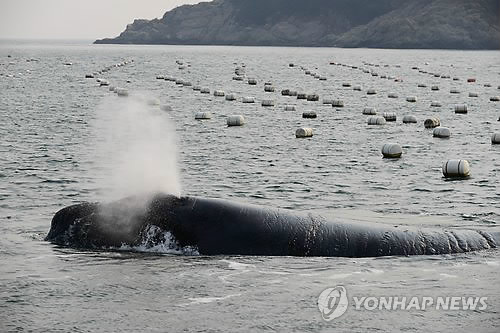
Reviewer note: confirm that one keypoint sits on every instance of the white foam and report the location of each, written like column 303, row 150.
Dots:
column 207, row 300
column 156, row 240
column 492, row 263
column 448, row 276
column 237, row 265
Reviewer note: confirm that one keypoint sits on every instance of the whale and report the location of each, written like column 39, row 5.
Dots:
column 219, row 227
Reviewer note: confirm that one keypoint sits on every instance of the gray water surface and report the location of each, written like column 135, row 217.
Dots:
column 54, row 122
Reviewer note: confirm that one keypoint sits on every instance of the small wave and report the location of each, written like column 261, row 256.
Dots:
column 448, row 276
column 206, row 300
column 493, row 263
column 340, row 276
column 237, row 265
column 156, row 240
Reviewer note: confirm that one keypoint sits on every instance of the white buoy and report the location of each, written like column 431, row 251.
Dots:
column 432, row 122
column 304, row 132
column 289, row 107
column 371, row 92
column 165, row 107
column 495, row 99
column 436, row 104
column 389, row 116
column 237, row 120
column 392, row 95
column 219, row 93
column 409, row 119
column 392, row 150
column 441, row 132
column 337, row 103
column 370, row 111
column 411, row 99
column 456, row 169
column 230, row 97
column 309, row 114
column 461, row 108
column 376, row 121
column 313, row 97
column 268, row 88
column 205, row 91
column 203, row 116
column 267, row 102
column 248, row 100
column 495, row 138
column 473, row 94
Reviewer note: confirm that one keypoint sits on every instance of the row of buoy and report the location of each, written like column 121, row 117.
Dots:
column 451, row 168
column 313, row 74
column 367, row 71
column 420, row 85
column 108, row 68
column 269, row 88
column 439, row 132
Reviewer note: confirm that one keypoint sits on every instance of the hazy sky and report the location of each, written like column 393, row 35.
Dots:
column 76, row 19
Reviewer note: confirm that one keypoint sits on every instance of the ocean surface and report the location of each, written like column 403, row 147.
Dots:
column 65, row 139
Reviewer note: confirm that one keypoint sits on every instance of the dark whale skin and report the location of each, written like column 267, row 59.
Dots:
column 218, row 227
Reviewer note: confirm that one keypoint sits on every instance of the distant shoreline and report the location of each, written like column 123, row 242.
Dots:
column 100, row 42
